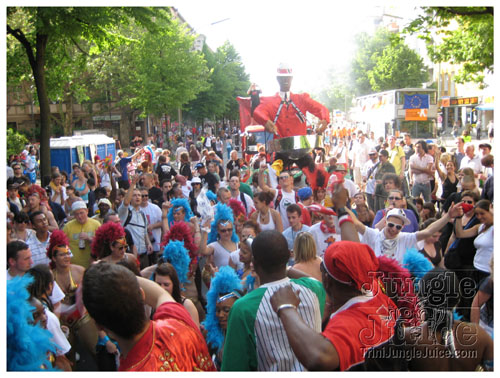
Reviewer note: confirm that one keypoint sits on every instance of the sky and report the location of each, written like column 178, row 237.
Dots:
column 311, row 36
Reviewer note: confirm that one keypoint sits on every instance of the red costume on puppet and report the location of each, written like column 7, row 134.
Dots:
column 285, row 113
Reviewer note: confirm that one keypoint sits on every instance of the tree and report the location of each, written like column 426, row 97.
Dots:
column 469, row 44
column 397, row 67
column 15, row 142
column 227, row 80
column 383, row 62
column 43, row 31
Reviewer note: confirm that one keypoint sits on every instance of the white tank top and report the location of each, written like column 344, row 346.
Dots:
column 267, row 226
column 221, row 254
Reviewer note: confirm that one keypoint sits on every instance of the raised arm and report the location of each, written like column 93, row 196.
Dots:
column 154, row 294
column 455, row 211
column 262, row 182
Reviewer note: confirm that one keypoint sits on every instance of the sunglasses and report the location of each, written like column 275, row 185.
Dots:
column 394, row 198
column 144, row 195
column 469, row 202
column 224, row 230
column 398, row 226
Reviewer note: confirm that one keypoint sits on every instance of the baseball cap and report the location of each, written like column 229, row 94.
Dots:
column 199, row 166
column 104, row 201
column 284, row 69
column 373, row 151
column 340, row 167
column 304, row 193
column 196, row 180
column 487, row 145
column 78, row 205
column 398, row 213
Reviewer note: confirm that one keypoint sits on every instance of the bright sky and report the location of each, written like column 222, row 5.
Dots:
column 311, row 36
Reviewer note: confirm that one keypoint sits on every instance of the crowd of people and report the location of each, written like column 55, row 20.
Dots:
column 196, row 259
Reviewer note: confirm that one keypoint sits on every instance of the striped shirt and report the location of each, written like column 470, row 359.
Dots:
column 256, row 338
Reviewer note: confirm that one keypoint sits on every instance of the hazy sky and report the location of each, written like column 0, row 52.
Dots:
column 310, row 35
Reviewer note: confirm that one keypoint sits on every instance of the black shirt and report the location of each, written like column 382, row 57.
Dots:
column 155, row 195
column 165, row 171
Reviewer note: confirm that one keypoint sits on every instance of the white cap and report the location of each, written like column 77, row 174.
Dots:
column 284, row 69
column 196, row 180
column 398, row 213
column 78, row 205
column 104, row 201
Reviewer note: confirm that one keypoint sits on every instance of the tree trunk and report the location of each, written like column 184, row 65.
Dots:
column 126, row 121
column 41, row 90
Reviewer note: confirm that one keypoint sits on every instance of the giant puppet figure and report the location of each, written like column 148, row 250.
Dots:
column 284, row 115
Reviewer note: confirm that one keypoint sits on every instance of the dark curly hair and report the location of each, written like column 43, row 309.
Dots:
column 104, row 236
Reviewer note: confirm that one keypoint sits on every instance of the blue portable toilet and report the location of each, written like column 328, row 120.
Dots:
column 64, row 150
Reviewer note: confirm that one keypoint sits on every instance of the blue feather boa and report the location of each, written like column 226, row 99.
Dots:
column 27, row 344
column 222, row 213
column 211, row 196
column 176, row 254
column 225, row 281
column 417, row 264
column 187, row 210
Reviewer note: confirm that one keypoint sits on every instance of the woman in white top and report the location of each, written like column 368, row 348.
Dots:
column 393, row 243
column 340, row 152
column 220, row 250
column 484, row 236
column 267, row 218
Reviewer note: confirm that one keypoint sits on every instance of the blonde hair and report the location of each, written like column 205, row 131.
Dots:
column 304, row 247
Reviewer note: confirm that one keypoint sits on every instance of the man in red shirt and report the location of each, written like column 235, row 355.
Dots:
column 363, row 316
column 285, row 113
column 115, row 298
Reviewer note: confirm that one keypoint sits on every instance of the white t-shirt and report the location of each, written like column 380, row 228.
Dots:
column 324, row 240
column 54, row 326
column 153, row 215
column 404, row 241
column 351, row 187
column 484, row 249
column 361, row 154
column 287, row 199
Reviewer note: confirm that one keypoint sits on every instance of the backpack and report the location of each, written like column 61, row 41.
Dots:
column 244, row 201
column 129, row 217
column 280, row 196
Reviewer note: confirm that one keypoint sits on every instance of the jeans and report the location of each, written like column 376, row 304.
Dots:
column 423, row 188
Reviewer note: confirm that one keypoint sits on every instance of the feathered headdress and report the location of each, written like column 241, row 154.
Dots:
column 104, row 236
column 211, row 196
column 222, row 213
column 398, row 285
column 239, row 211
column 187, row 210
column 417, row 264
column 176, row 254
column 182, row 232
column 57, row 238
column 27, row 344
column 225, row 281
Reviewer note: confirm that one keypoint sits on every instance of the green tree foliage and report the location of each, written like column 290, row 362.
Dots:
column 15, row 142
column 469, row 44
column 227, row 80
column 47, row 33
column 397, row 67
column 339, row 93
column 383, row 62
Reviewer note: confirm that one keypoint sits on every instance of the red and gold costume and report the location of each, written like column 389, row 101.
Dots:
column 290, row 122
column 171, row 343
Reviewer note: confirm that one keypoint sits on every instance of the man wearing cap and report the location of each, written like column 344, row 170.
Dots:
column 104, row 205
column 325, row 232
column 363, row 315
column 348, row 184
column 207, row 178
column 255, row 339
column 393, row 243
column 285, row 113
column 485, row 149
column 306, row 198
column 80, row 232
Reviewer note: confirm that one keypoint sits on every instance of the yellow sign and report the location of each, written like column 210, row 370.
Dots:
column 416, row 115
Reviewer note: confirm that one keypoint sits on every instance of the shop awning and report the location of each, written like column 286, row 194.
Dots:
column 485, row 107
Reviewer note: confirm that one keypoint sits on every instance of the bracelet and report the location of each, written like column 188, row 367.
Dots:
column 285, row 305
column 341, row 212
column 103, row 341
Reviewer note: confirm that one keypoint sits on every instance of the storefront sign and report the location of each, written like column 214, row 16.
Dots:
column 464, row 101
